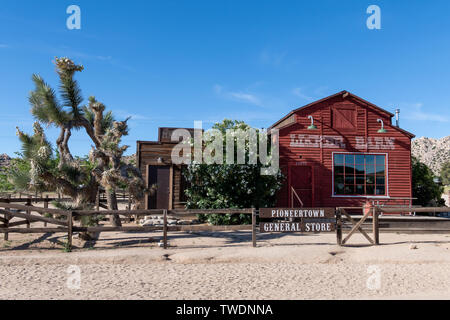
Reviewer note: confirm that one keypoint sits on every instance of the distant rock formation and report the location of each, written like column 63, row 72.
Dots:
column 432, row 152
column 5, row 160
column 130, row 159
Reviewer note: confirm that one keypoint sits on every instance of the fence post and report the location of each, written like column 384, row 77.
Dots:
column 29, row 211
column 254, row 227
column 165, row 229
column 339, row 226
column 46, row 207
column 97, row 200
column 376, row 226
column 6, row 235
column 69, row 230
column 129, row 201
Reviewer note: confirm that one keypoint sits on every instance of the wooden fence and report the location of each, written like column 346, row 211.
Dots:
column 372, row 222
column 62, row 221
column 122, row 197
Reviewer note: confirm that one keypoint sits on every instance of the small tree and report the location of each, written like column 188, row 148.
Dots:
column 425, row 189
column 445, row 173
column 19, row 175
column 75, row 177
column 219, row 186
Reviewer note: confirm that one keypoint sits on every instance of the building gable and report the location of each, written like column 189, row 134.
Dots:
column 342, row 111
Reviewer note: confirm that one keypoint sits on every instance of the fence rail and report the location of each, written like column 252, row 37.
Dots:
column 372, row 222
column 62, row 221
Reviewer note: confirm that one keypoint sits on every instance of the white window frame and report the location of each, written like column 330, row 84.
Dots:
column 362, row 196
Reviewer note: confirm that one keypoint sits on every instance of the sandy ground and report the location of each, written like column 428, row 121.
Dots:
column 223, row 265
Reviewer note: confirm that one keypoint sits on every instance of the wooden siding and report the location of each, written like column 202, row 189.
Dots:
column 365, row 128
column 148, row 153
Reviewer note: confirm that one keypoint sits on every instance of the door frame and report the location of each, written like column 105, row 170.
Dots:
column 292, row 165
column 147, row 183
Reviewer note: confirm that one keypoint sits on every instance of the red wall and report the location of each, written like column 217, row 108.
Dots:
column 320, row 158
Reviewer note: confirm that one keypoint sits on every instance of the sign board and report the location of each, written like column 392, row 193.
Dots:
column 165, row 134
column 305, row 220
column 312, row 213
column 305, row 225
column 337, row 142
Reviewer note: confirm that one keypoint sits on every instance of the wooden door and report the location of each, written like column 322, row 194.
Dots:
column 159, row 175
column 301, row 181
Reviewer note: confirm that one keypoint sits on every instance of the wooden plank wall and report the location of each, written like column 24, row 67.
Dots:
column 148, row 154
column 321, row 159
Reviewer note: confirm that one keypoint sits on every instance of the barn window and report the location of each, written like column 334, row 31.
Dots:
column 359, row 174
column 344, row 118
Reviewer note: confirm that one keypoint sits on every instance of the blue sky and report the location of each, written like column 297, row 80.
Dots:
column 168, row 63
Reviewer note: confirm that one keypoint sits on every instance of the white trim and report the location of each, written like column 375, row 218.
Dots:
column 361, row 196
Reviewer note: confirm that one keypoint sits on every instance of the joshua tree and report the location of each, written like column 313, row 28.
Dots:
column 74, row 177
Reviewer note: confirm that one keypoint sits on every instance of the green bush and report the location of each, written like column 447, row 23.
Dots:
column 427, row 192
column 445, row 173
column 222, row 186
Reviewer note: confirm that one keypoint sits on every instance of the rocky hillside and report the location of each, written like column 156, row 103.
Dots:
column 4, row 161
column 432, row 152
column 130, row 159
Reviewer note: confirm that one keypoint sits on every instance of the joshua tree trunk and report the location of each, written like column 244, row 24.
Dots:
column 111, row 198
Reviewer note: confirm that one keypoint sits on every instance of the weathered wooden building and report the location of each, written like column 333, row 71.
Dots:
column 155, row 162
column 341, row 151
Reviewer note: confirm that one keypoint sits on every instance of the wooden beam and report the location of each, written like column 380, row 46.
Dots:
column 18, row 200
column 46, row 207
column 69, row 230
column 360, row 229
column 7, row 217
column 33, row 230
column 357, row 227
column 165, row 230
column 31, row 217
column 32, row 208
column 119, row 212
column 376, row 226
column 16, row 224
column 28, row 211
column 409, row 209
column 212, row 211
column 339, row 227
column 207, row 228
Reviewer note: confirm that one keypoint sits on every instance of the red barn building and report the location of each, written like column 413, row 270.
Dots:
column 341, row 151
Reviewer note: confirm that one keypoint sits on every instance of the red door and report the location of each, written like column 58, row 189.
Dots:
column 301, row 188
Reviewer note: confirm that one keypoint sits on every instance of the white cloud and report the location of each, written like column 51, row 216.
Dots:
column 299, row 92
column 122, row 115
column 246, row 97
column 104, row 58
column 414, row 111
column 237, row 95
